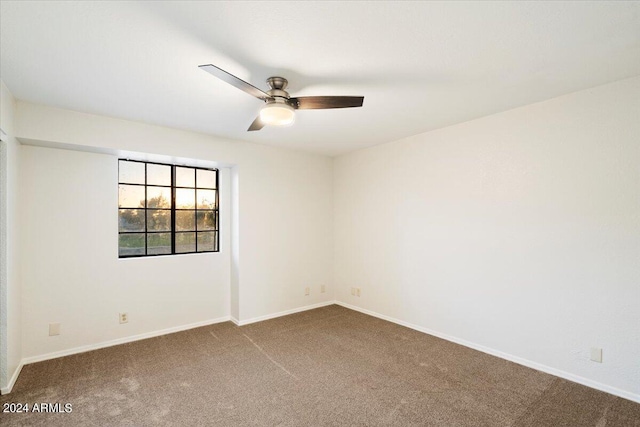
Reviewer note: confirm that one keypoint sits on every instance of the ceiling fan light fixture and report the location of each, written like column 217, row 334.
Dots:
column 277, row 114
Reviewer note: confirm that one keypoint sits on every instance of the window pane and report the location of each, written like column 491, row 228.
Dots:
column 158, row 174
column 130, row 172
column 158, row 197
column 131, row 196
column 131, row 220
column 206, row 179
column 185, row 177
column 158, row 243
column 206, row 199
column 185, row 199
column 185, row 242
column 160, row 205
column 131, row 244
column 206, row 220
column 185, row 220
column 158, row 220
column 206, row 242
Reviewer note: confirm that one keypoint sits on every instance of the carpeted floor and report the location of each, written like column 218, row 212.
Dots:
column 329, row 366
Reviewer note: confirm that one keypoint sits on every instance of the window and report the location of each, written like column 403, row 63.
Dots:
column 166, row 209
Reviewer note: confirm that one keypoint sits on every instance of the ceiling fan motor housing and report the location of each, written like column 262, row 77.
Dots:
column 277, row 91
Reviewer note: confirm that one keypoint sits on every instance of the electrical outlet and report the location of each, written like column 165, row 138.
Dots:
column 357, row 292
column 307, row 290
column 124, row 318
column 353, row 291
column 322, row 289
column 596, row 354
column 54, row 329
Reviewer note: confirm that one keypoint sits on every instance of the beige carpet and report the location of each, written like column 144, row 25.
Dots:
column 330, row 366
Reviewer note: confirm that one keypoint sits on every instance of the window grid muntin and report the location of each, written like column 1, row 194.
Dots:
column 173, row 209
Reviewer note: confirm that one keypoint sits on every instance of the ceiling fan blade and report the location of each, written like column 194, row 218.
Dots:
column 256, row 125
column 234, row 81
column 321, row 102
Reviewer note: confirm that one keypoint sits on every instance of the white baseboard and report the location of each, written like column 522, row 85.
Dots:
column 118, row 341
column 282, row 313
column 124, row 340
column 519, row 360
column 12, row 381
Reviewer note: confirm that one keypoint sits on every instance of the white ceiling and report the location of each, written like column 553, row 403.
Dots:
column 420, row 65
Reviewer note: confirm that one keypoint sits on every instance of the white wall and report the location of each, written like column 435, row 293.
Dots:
column 71, row 271
column 519, row 232
column 10, row 284
column 284, row 238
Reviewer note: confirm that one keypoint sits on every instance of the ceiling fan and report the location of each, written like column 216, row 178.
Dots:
column 279, row 108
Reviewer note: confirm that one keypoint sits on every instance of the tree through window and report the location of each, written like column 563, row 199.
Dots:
column 166, row 209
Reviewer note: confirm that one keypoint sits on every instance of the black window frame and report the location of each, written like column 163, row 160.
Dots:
column 173, row 209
